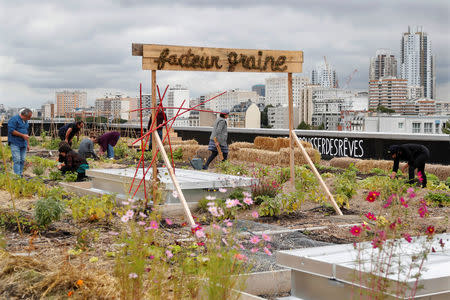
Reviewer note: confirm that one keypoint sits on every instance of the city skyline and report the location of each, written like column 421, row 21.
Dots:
column 86, row 45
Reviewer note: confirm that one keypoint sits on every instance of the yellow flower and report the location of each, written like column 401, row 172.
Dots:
column 93, row 259
column 381, row 221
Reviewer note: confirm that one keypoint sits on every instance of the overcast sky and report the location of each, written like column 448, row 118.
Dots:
column 47, row 46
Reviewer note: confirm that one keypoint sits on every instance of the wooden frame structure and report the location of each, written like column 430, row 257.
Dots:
column 184, row 58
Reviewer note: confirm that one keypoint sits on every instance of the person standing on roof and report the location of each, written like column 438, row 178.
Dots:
column 218, row 138
column 415, row 155
column 160, row 119
column 68, row 131
column 18, row 139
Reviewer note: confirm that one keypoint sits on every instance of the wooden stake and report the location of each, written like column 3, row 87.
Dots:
column 187, row 211
column 313, row 168
column 155, row 167
column 291, row 127
column 218, row 149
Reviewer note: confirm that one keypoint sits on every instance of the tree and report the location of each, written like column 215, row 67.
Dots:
column 265, row 118
column 321, row 127
column 446, row 127
column 304, row 125
column 383, row 109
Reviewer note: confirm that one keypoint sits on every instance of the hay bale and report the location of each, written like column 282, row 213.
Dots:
column 203, row 152
column 299, row 159
column 255, row 155
column 264, row 143
column 343, row 162
column 280, row 143
column 441, row 171
column 181, row 142
column 239, row 145
column 366, row 165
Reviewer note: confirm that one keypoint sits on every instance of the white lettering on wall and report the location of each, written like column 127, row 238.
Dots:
column 337, row 147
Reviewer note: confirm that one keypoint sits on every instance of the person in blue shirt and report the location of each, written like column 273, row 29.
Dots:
column 18, row 139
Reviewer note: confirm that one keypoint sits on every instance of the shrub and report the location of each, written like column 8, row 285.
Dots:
column 378, row 171
column 178, row 153
column 70, row 176
column 121, row 150
column 33, row 141
column 432, row 178
column 55, row 175
column 265, row 187
column 447, row 182
column 269, row 206
column 91, row 207
column 227, row 167
column 38, row 170
column 48, row 210
column 52, row 144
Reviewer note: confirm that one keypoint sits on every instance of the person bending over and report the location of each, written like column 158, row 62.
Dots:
column 107, row 142
column 415, row 155
column 72, row 162
column 86, row 148
column 68, row 131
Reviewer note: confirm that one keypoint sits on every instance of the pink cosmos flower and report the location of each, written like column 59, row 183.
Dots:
column 248, row 201
column 389, row 201
column 407, row 237
column 169, row 254
column 411, row 193
column 241, row 246
column 370, row 216
column 168, row 221
column 403, row 202
column 255, row 214
column 141, row 223
column 254, row 250
column 141, row 214
column 215, row 226
column 229, row 224
column 129, row 213
column 125, row 218
column 113, row 233
column 230, row 203
column 223, row 190
column 355, row 230
column 430, row 230
column 266, row 237
column 254, row 239
column 132, row 275
column 267, row 251
column 240, row 256
column 247, row 194
column 423, row 210
column 200, row 234
column 154, row 225
column 420, row 176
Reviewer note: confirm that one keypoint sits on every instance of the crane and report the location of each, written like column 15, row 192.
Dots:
column 349, row 78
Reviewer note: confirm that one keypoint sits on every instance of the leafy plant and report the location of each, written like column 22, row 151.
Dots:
column 269, row 206
column 55, row 175
column 47, row 210
column 440, row 199
column 447, row 182
column 265, row 187
column 71, row 176
column 121, row 150
column 51, row 144
column 178, row 153
column 228, row 167
column 38, row 170
column 33, row 141
column 92, row 208
column 378, row 171
column 432, row 178
column 345, row 187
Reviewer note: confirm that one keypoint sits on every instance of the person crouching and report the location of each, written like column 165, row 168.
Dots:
column 72, row 162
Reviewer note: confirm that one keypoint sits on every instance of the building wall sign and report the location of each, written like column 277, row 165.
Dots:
column 181, row 58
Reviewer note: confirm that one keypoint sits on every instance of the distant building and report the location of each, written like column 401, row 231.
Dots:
column 351, row 120
column 405, row 124
column 48, row 111
column 175, row 97
column 328, row 112
column 260, row 89
column 201, row 118
column 277, row 90
column 230, row 99
column 66, row 101
column 324, row 75
column 414, row 92
column 384, row 64
column 278, row 117
column 417, row 61
column 245, row 115
column 117, row 107
column 389, row 92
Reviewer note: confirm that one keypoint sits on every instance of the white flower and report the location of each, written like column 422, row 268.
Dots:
column 129, row 213
column 175, row 194
column 124, row 218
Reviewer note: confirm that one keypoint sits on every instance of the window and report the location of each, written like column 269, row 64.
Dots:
column 400, row 125
column 427, row 127
column 415, row 127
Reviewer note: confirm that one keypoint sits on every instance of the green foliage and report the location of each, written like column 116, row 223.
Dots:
column 303, row 125
column 441, row 199
column 378, row 171
column 178, row 153
column 76, row 143
column 2, row 241
column 282, row 175
column 33, row 141
column 38, row 170
column 265, row 187
column 121, row 150
column 228, row 167
column 92, row 208
column 51, row 144
column 43, row 162
column 5, row 153
column 70, row 176
column 345, row 186
column 269, row 206
column 47, row 210
column 203, row 205
column 446, row 127
column 432, row 178
column 21, row 187
column 237, row 193
column 438, row 186
column 383, row 109
column 96, row 120
column 447, row 182
column 55, row 175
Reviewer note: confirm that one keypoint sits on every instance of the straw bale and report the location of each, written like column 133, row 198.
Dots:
column 264, row 143
column 284, row 157
column 203, row 152
column 239, row 145
column 441, row 171
column 343, row 162
column 365, row 165
column 256, row 155
column 280, row 143
column 181, row 142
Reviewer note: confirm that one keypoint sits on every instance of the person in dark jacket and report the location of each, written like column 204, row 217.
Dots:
column 107, row 142
column 86, row 148
column 415, row 155
column 68, row 131
column 160, row 119
column 218, row 138
column 72, row 162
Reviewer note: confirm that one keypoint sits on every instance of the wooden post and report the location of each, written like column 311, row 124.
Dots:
column 291, row 127
column 187, row 211
column 219, row 150
column 313, row 168
column 154, row 144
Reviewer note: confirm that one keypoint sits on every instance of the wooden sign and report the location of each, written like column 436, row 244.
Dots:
column 180, row 58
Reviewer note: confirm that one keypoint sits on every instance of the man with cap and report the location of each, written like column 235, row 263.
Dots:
column 415, row 155
column 218, row 138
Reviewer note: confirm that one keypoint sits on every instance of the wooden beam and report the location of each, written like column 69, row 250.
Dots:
column 187, row 211
column 137, row 49
column 181, row 58
column 316, row 173
column 291, row 127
